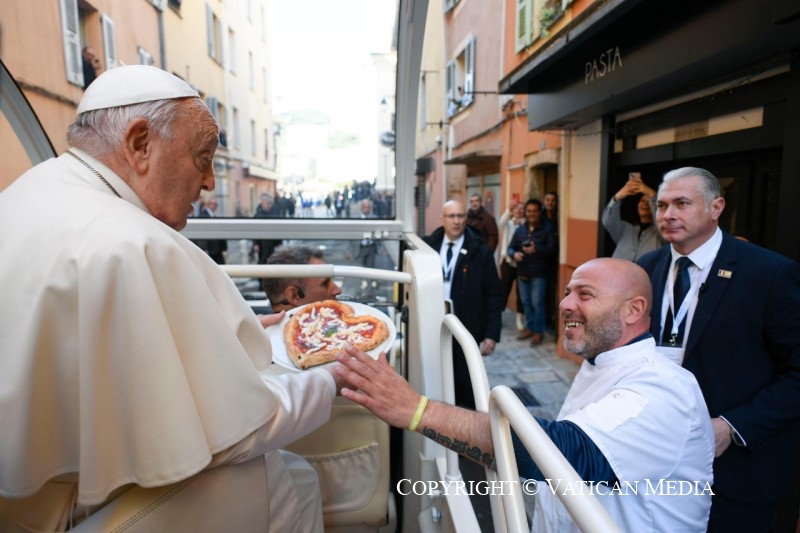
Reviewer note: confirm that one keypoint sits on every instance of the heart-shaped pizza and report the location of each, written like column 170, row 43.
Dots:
column 316, row 332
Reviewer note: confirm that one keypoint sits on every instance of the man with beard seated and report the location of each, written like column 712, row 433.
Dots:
column 631, row 416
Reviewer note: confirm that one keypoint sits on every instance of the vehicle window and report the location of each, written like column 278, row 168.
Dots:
column 22, row 137
column 319, row 171
column 322, row 143
column 17, row 161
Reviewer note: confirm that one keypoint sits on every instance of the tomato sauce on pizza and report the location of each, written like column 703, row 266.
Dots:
column 314, row 334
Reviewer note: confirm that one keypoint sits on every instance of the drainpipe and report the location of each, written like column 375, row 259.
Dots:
column 162, row 40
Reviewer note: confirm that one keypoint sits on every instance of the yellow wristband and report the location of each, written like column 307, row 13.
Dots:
column 423, row 403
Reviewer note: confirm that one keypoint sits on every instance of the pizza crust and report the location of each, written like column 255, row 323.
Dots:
column 316, row 333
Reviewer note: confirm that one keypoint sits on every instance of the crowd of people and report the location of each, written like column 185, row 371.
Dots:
column 131, row 359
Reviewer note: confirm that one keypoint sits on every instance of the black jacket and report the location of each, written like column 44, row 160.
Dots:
column 744, row 349
column 537, row 264
column 475, row 289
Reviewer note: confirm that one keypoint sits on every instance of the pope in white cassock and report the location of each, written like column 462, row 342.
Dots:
column 128, row 357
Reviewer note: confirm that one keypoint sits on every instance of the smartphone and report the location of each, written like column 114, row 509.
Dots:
column 634, row 176
column 526, row 244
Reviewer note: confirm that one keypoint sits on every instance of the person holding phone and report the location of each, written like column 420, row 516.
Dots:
column 633, row 240
column 532, row 248
column 512, row 219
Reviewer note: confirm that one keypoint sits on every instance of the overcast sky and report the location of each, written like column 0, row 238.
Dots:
column 321, row 50
column 321, row 61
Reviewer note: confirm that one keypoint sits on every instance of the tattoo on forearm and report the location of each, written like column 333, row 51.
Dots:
column 461, row 447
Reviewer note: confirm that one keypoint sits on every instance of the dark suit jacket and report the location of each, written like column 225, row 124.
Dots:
column 475, row 288
column 744, row 349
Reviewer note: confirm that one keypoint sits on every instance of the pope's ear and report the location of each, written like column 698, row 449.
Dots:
column 137, row 144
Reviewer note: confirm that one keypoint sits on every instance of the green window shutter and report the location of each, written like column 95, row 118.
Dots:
column 524, row 24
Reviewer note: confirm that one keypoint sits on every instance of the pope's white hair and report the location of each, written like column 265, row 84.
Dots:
column 101, row 130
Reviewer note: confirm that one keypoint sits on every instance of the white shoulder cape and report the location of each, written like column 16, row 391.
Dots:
column 125, row 353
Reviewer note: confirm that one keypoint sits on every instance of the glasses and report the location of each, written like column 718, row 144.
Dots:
column 455, row 216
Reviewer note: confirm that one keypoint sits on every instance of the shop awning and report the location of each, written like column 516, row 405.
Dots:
column 623, row 54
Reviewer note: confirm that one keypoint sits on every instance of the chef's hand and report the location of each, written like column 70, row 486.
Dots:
column 375, row 385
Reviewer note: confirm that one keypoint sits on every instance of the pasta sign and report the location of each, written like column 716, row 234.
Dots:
column 600, row 66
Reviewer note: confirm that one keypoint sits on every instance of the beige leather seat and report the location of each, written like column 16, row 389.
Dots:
column 226, row 498
column 351, row 456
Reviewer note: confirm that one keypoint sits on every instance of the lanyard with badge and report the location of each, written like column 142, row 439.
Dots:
column 672, row 349
column 680, row 316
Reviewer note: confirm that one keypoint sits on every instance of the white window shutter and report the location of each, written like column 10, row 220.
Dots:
column 221, row 39
column 450, row 82
column 109, row 42
column 70, row 28
column 213, row 106
column 232, row 51
column 524, row 12
column 212, row 48
column 469, row 71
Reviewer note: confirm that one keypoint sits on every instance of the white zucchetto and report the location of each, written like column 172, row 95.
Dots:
column 133, row 84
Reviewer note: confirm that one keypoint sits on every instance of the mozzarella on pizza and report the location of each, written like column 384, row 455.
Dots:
column 317, row 331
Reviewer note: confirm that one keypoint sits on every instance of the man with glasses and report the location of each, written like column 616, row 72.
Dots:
column 471, row 282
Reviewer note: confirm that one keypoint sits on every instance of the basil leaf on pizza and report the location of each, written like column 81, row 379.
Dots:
column 315, row 333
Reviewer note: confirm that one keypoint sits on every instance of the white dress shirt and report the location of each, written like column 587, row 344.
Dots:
column 448, row 270
column 702, row 258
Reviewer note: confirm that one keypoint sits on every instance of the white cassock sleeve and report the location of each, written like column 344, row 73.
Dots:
column 305, row 401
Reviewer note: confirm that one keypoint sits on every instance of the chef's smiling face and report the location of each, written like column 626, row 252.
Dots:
column 591, row 313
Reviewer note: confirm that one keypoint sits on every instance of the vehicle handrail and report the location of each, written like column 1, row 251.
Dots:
column 314, row 271
column 452, row 327
column 505, row 411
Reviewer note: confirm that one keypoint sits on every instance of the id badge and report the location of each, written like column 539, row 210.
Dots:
column 673, row 353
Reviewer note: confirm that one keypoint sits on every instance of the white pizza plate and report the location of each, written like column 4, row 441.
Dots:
column 281, row 357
